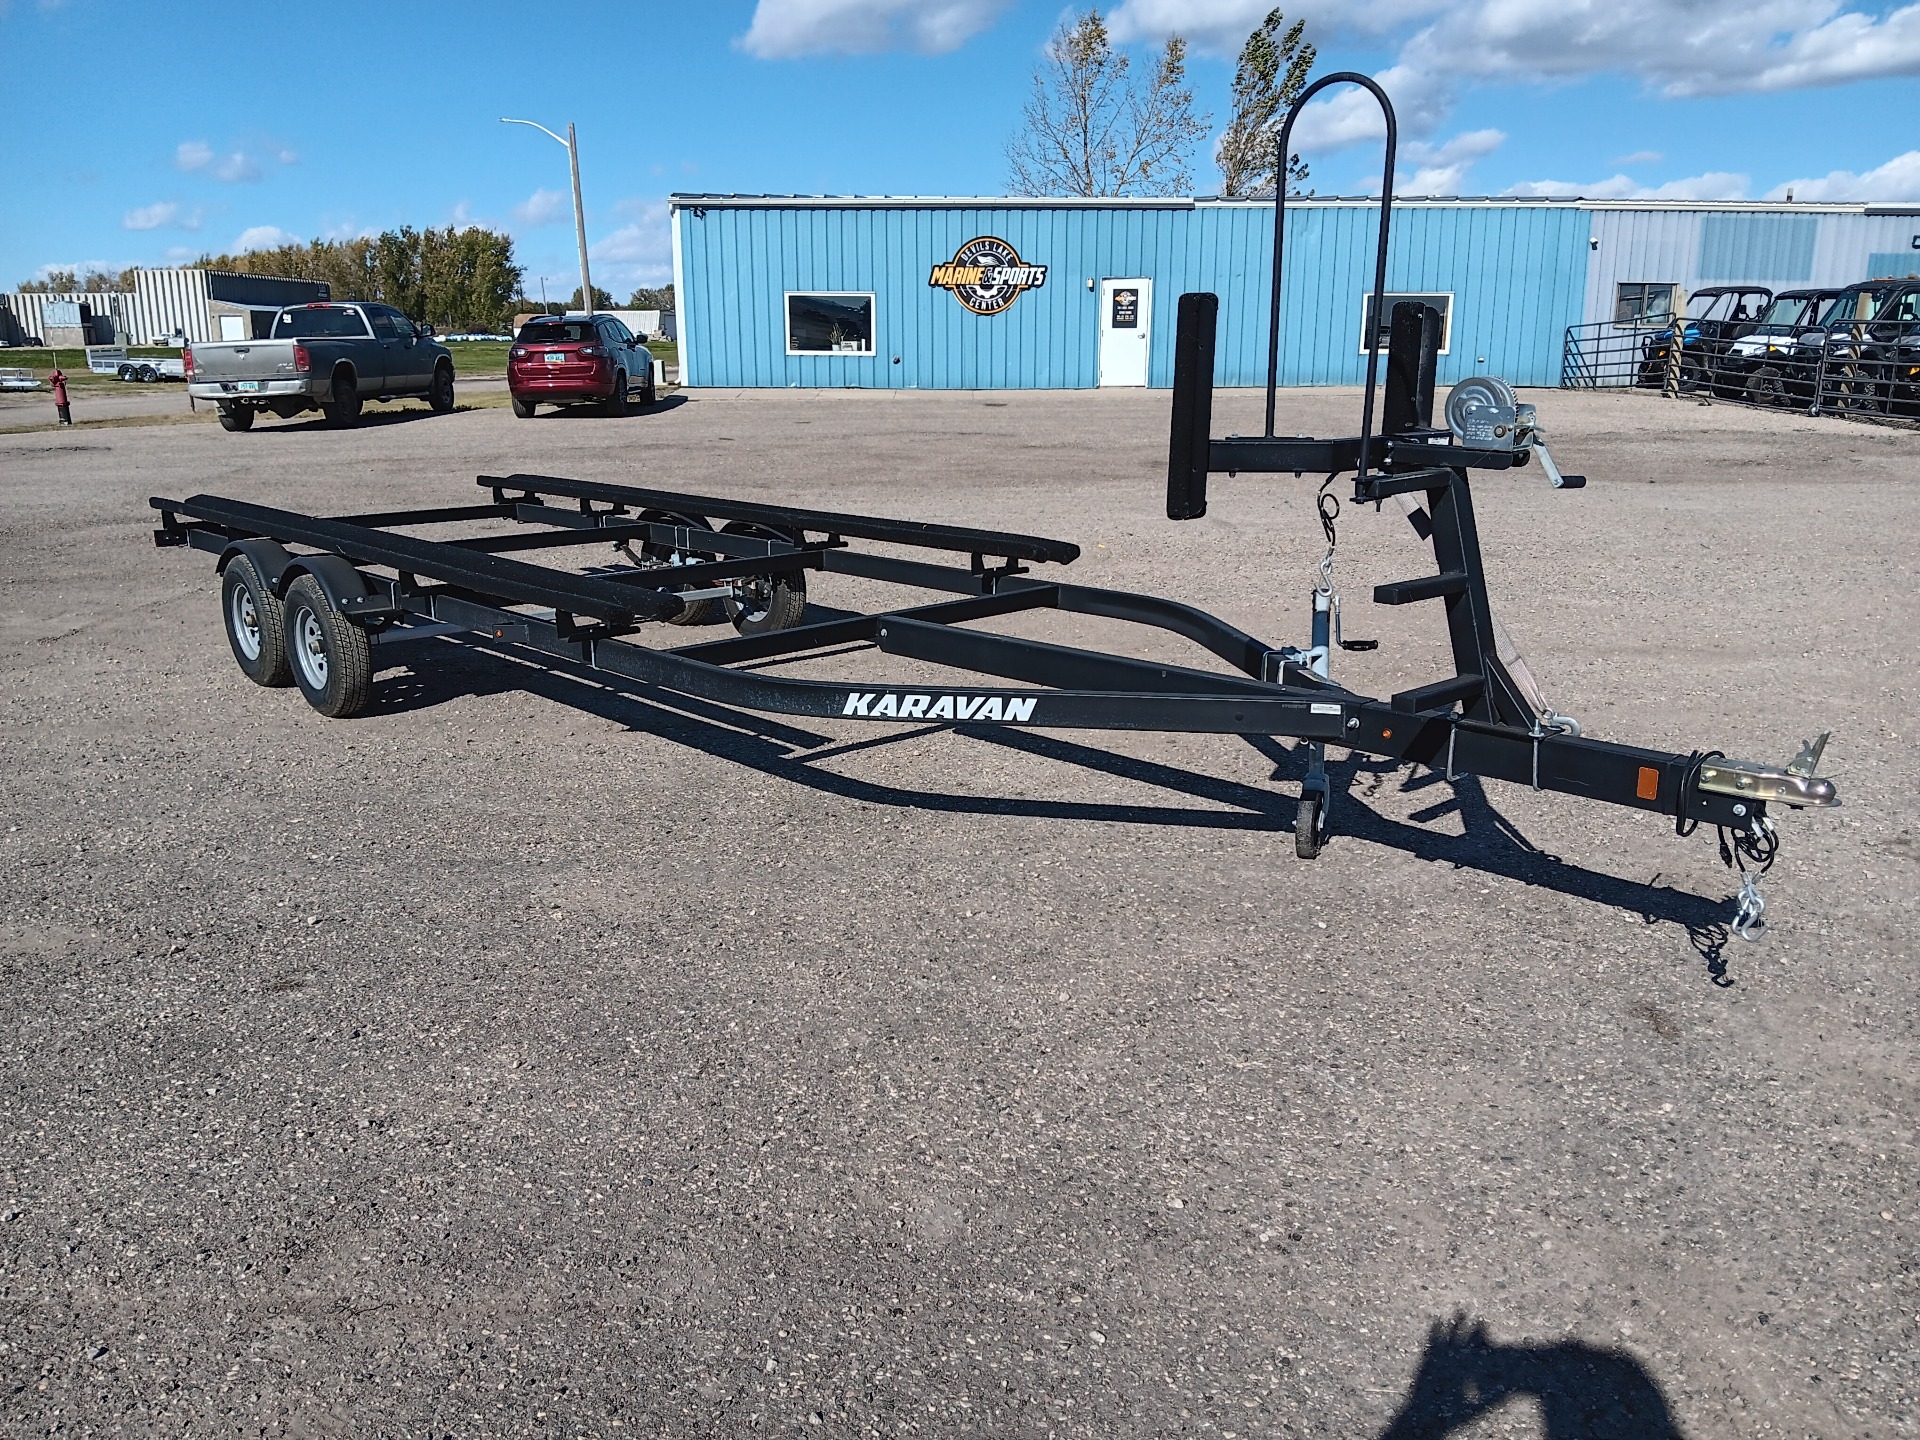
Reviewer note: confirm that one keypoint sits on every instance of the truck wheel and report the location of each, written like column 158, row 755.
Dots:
column 763, row 603
column 256, row 624
column 523, row 408
column 236, row 417
column 332, row 659
column 696, row 612
column 440, row 397
column 343, row 412
column 618, row 403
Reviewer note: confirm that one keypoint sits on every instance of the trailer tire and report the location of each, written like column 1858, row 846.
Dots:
column 256, row 623
column 343, row 410
column 331, row 658
column 776, row 600
column 695, row 612
column 1308, row 824
column 236, row 417
column 440, row 396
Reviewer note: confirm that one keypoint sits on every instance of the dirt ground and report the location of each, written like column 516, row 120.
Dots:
column 538, row 1055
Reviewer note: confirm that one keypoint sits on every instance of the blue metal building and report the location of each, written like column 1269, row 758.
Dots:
column 1034, row 294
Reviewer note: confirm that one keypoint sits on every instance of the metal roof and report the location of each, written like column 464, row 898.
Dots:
column 695, row 201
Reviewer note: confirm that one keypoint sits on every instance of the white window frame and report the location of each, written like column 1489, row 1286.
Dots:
column 786, row 323
column 1393, row 297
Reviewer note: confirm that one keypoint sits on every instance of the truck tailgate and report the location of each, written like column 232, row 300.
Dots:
column 244, row 360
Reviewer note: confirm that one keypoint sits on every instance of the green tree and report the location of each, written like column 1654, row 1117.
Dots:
column 1273, row 71
column 57, row 282
column 648, row 298
column 602, row 300
column 1090, row 127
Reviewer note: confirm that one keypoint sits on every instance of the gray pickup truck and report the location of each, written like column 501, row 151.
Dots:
column 330, row 357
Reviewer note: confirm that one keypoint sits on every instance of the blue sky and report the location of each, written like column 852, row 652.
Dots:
column 196, row 127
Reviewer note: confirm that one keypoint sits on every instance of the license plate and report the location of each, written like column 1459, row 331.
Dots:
column 249, row 385
column 554, row 357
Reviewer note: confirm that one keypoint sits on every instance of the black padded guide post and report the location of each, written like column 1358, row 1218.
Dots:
column 1412, row 356
column 1199, row 316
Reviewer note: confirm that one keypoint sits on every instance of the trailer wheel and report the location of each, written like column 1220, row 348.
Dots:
column 1309, row 826
column 440, row 397
column 696, row 612
column 256, row 623
column 343, row 410
column 236, row 417
column 773, row 601
column 332, row 660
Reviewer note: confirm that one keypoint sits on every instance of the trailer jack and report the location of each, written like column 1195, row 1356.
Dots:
column 306, row 597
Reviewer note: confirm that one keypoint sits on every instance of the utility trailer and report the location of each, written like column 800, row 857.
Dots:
column 306, row 600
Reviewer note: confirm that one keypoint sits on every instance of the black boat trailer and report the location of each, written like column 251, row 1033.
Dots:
column 306, row 599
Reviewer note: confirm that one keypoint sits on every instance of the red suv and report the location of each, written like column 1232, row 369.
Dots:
column 569, row 359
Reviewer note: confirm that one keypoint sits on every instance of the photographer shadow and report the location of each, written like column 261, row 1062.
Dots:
column 1584, row 1392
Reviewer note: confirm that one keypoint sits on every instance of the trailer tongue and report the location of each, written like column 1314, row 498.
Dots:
column 311, row 615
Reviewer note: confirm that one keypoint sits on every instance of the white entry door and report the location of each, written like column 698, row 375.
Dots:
column 1126, row 331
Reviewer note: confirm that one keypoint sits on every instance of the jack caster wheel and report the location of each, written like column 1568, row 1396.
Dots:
column 331, row 657
column 1309, row 826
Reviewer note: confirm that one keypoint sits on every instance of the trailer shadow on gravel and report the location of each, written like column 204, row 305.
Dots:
column 1488, row 843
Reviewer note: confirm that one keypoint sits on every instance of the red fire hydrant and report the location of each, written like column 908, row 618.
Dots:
column 60, row 404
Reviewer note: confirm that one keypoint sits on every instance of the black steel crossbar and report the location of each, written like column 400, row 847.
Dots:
column 787, row 517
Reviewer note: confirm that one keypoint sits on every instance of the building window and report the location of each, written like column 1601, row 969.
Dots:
column 833, row 323
column 1383, row 330
column 1638, row 303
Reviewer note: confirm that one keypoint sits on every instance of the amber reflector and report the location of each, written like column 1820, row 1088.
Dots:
column 1649, row 786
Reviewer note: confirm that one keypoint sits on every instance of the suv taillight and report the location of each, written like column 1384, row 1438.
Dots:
column 518, row 352
column 302, row 361
column 594, row 350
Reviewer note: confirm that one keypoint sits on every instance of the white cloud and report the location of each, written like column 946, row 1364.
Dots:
column 638, row 253
column 237, row 167
column 286, row 155
column 234, row 167
column 1673, row 47
column 1638, row 157
column 151, row 217
column 1714, row 185
column 1442, row 168
column 263, row 237
column 1897, row 180
column 783, row 29
column 543, row 207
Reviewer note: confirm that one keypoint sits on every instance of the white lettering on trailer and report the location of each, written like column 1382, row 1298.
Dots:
column 1016, row 710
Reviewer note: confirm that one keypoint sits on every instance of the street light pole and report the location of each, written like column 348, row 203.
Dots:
column 579, row 211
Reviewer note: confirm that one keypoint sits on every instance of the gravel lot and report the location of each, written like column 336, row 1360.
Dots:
column 537, row 1056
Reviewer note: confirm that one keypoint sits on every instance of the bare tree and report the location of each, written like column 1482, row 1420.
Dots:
column 1273, row 71
column 1092, row 128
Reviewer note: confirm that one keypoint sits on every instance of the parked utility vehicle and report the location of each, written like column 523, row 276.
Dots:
column 327, row 356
